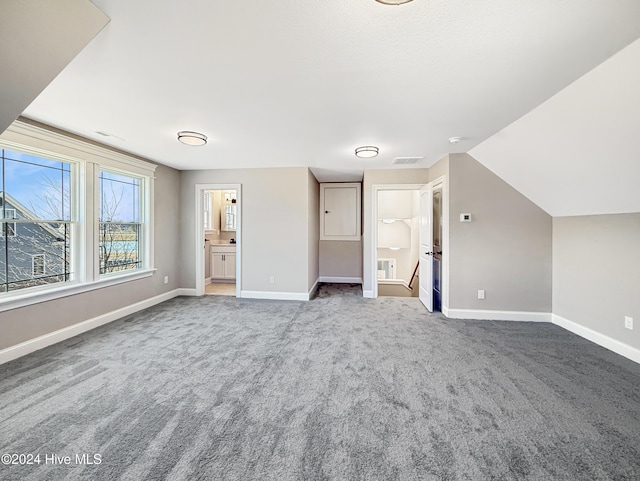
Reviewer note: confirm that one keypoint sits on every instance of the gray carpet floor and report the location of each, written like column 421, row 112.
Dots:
column 338, row 388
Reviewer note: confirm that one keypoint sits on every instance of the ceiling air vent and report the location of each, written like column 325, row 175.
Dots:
column 406, row 160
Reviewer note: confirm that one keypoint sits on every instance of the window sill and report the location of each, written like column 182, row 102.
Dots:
column 37, row 295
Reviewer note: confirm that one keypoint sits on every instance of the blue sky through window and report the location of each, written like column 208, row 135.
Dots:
column 40, row 185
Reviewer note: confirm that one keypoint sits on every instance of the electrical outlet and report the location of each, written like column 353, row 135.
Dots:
column 628, row 322
column 465, row 217
column 272, row 279
column 480, row 293
column 166, row 279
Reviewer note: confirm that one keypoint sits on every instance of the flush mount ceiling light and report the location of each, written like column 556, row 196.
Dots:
column 366, row 151
column 454, row 140
column 393, row 2
column 192, row 138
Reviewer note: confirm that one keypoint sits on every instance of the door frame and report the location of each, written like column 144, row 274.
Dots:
column 374, row 227
column 441, row 182
column 200, row 233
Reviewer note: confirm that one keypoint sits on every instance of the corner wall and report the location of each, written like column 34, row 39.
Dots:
column 505, row 249
column 596, row 278
column 313, row 220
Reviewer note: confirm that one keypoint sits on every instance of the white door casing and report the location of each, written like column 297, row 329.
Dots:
column 426, row 248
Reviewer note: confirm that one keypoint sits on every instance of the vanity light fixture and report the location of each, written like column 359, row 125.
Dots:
column 394, row 248
column 393, row 2
column 192, row 138
column 367, row 151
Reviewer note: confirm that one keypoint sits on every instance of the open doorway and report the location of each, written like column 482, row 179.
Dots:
column 220, row 226
column 218, row 239
column 395, row 240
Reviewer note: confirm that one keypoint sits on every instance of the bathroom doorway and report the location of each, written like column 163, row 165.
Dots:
column 218, row 256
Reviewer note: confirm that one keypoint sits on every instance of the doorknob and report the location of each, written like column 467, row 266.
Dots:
column 428, row 253
column 326, row 212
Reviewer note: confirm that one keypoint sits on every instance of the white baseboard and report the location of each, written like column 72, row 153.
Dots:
column 207, row 281
column 186, row 292
column 341, row 280
column 282, row 296
column 482, row 315
column 602, row 340
column 24, row 348
column 367, row 294
column 314, row 289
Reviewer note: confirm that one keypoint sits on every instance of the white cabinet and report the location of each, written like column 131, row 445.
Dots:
column 223, row 262
column 340, row 211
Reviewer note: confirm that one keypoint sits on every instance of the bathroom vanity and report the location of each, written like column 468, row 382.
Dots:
column 223, row 262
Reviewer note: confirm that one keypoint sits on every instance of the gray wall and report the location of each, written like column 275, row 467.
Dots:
column 505, row 250
column 341, row 259
column 596, row 273
column 313, row 221
column 22, row 324
column 275, row 226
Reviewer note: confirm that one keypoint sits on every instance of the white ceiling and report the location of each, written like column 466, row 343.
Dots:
column 302, row 83
column 577, row 153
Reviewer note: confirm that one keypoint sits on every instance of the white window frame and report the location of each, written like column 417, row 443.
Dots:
column 143, row 209
column 4, row 221
column 33, row 264
column 87, row 160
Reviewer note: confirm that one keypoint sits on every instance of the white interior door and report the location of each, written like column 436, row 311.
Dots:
column 426, row 248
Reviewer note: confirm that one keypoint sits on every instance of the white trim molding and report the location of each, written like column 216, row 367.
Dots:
column 368, row 294
column 280, row 296
column 482, row 315
column 602, row 340
column 187, row 292
column 314, row 289
column 341, row 280
column 32, row 345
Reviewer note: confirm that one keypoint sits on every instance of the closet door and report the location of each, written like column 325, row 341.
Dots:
column 340, row 211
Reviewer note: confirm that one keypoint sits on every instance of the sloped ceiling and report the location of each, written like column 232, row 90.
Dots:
column 578, row 153
column 303, row 83
column 38, row 39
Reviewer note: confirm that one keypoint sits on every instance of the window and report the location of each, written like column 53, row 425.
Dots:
column 8, row 228
column 75, row 216
column 120, row 226
column 37, row 265
column 35, row 195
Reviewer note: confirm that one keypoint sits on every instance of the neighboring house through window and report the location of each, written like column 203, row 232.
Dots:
column 35, row 195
